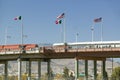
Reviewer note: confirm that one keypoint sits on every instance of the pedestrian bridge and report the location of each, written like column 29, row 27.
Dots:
column 99, row 50
column 81, row 50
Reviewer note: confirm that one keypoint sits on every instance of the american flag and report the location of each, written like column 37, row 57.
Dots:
column 98, row 19
column 61, row 16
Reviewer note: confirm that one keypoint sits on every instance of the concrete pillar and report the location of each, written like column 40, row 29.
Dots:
column 39, row 70
column 103, row 70
column 48, row 69
column 95, row 70
column 29, row 70
column 86, row 69
column 27, row 66
column 6, row 70
column 19, row 69
column 76, row 69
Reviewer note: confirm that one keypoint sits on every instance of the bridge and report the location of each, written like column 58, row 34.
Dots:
column 99, row 50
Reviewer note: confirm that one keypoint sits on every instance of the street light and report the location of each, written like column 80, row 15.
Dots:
column 6, row 35
column 77, row 37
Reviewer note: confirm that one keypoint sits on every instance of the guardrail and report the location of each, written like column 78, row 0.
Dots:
column 51, row 49
column 80, row 49
column 19, row 52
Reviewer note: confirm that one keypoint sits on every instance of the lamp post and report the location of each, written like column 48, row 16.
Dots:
column 6, row 35
column 76, row 60
column 77, row 37
column 92, row 30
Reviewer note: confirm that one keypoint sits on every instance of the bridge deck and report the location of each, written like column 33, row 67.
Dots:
column 50, row 52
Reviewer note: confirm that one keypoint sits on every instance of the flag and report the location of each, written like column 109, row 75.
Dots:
column 58, row 21
column 98, row 19
column 18, row 18
column 61, row 16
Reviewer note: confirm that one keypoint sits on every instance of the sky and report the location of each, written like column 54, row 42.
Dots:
column 39, row 16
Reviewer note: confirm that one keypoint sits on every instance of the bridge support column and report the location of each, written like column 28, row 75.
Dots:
column 19, row 69
column 76, row 69
column 29, row 70
column 39, row 70
column 86, row 69
column 48, row 69
column 95, row 70
column 6, row 70
column 103, row 70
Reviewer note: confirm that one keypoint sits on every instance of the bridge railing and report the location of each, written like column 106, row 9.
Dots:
column 51, row 49
column 93, row 49
column 62, row 49
column 36, row 50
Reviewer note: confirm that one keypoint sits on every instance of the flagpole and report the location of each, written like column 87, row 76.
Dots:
column 22, row 32
column 62, row 33
column 100, row 20
column 101, row 30
column 77, row 37
column 92, row 30
column 64, row 30
column 19, row 18
column 5, row 35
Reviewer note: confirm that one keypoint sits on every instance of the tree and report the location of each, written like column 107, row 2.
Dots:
column 116, row 74
column 66, row 73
